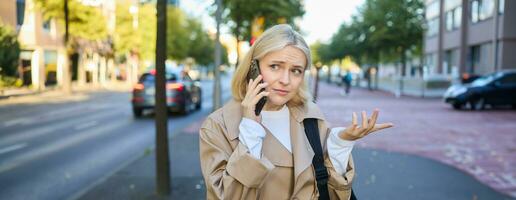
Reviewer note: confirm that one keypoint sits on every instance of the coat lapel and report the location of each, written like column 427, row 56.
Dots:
column 301, row 148
column 273, row 150
column 232, row 115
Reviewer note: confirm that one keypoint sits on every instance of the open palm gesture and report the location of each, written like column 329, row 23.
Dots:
column 368, row 125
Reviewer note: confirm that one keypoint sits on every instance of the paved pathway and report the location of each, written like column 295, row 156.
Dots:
column 481, row 143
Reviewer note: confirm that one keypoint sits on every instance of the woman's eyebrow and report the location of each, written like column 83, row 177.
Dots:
column 278, row 61
column 283, row 62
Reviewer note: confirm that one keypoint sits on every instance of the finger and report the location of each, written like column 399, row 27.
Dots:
column 249, row 83
column 258, row 97
column 256, row 81
column 378, row 127
column 364, row 120
column 259, row 88
column 354, row 118
column 248, row 88
column 372, row 120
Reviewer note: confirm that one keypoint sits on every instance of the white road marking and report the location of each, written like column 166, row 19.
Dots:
column 19, row 121
column 86, row 125
column 76, row 138
column 12, row 148
column 39, row 131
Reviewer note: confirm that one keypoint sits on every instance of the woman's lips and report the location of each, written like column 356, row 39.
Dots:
column 281, row 92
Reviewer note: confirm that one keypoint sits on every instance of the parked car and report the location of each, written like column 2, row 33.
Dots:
column 494, row 89
column 183, row 94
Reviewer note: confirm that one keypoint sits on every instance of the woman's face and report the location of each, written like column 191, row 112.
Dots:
column 284, row 71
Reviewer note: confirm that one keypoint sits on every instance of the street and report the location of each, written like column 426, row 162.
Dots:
column 57, row 147
column 388, row 166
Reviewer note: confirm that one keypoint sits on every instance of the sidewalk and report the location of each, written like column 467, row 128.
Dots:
column 479, row 143
column 24, row 94
column 381, row 174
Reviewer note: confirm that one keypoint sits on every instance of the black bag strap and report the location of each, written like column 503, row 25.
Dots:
column 321, row 174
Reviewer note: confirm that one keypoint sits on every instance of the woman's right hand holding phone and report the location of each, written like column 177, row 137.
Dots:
column 252, row 96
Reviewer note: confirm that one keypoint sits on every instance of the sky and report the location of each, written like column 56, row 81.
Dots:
column 323, row 17
column 321, row 20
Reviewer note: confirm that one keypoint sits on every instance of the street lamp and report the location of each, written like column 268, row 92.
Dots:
column 318, row 66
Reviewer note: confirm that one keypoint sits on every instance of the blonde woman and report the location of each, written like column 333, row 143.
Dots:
column 245, row 156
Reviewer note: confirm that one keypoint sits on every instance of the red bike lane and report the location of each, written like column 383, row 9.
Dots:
column 481, row 143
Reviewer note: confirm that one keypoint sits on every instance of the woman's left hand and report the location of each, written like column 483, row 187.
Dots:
column 355, row 132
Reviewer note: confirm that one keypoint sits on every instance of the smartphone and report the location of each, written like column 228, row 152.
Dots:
column 253, row 73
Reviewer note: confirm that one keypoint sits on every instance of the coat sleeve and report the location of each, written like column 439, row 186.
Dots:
column 339, row 185
column 228, row 173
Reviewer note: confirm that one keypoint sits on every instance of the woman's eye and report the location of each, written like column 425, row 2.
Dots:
column 274, row 66
column 297, row 71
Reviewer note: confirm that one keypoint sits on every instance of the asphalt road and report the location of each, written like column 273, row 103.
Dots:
column 51, row 149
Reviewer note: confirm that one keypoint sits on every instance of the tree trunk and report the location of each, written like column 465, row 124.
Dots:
column 162, row 155
column 328, row 78
column 403, row 67
column 238, row 52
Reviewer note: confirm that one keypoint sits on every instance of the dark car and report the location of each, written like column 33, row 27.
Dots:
column 498, row 88
column 183, row 94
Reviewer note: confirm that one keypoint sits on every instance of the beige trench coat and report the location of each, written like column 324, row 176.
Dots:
column 230, row 172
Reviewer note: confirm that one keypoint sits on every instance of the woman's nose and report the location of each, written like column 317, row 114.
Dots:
column 285, row 78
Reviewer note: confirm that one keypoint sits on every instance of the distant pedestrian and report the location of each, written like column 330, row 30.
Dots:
column 247, row 154
column 347, row 79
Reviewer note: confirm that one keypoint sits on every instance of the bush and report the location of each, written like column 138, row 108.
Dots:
column 6, row 81
column 9, row 51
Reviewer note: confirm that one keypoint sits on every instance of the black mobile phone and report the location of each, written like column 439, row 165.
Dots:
column 252, row 74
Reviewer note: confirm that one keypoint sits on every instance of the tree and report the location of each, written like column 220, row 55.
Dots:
column 397, row 27
column 86, row 22
column 383, row 31
column 177, row 34
column 9, row 51
column 240, row 14
column 131, row 39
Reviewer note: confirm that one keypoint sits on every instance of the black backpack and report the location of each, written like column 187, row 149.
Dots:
column 321, row 174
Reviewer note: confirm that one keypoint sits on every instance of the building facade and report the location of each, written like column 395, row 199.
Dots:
column 43, row 53
column 469, row 37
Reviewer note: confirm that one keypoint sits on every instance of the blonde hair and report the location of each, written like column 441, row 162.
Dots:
column 273, row 39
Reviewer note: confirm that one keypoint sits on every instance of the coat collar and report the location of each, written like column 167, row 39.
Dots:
column 232, row 115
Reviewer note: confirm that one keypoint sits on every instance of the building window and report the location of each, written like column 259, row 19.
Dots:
column 481, row 59
column 432, row 27
column 449, row 21
column 46, row 25
column 457, row 17
column 432, row 10
column 20, row 12
column 451, row 61
column 430, row 64
column 501, row 6
column 481, row 10
column 474, row 58
column 453, row 18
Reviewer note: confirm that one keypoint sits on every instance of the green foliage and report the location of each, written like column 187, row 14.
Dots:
column 129, row 38
column 239, row 14
column 85, row 22
column 186, row 38
column 177, row 34
column 9, row 51
column 147, row 31
column 201, row 47
column 7, row 81
column 383, row 31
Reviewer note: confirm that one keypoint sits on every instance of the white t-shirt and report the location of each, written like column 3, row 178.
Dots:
column 278, row 123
